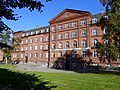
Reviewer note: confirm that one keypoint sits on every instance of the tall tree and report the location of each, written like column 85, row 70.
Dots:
column 110, row 23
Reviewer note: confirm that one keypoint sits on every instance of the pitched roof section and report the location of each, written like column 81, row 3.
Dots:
column 68, row 13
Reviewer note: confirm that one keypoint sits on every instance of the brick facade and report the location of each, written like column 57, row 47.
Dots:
column 69, row 30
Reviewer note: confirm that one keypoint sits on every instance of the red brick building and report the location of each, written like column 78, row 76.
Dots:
column 71, row 30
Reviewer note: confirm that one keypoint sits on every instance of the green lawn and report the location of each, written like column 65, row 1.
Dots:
column 77, row 81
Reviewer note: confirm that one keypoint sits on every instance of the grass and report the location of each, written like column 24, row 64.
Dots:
column 78, row 81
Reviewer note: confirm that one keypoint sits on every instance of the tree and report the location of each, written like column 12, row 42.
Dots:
column 7, row 8
column 110, row 23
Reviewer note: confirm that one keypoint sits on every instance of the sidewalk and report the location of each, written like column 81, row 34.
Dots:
column 39, row 68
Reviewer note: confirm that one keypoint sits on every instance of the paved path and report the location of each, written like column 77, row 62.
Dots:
column 36, row 67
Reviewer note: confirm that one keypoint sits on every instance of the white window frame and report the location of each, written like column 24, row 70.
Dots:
column 67, row 25
column 94, row 32
column 36, row 47
column 74, row 23
column 83, row 22
column 60, row 36
column 83, row 33
column 84, row 43
column 60, row 45
column 95, row 54
column 83, row 54
column 74, row 34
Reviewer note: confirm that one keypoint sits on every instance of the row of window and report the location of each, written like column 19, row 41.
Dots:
column 74, row 34
column 35, row 47
column 67, row 45
column 67, row 25
column 35, row 55
column 36, row 40
column 84, row 54
column 75, row 44
column 35, row 32
column 60, row 54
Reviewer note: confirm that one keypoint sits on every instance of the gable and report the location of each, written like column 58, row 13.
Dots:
column 67, row 14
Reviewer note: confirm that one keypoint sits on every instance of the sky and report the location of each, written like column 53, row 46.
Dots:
column 30, row 20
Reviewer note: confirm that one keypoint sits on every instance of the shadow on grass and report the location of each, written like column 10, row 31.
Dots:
column 10, row 80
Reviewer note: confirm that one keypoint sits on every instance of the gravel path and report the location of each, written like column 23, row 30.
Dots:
column 39, row 68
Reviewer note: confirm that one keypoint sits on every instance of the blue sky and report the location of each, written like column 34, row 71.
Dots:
column 30, row 20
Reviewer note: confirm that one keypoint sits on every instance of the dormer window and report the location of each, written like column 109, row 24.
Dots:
column 31, row 33
column 42, row 31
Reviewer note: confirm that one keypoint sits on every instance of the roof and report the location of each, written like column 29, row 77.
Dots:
column 70, row 10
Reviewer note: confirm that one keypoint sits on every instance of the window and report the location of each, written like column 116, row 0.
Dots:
column 53, row 28
column 94, row 20
column 67, row 35
column 47, row 30
column 66, row 25
column 60, row 54
column 47, row 47
column 41, row 47
column 84, row 44
column 67, row 45
column 75, row 44
column 94, row 32
column 31, row 33
column 60, row 45
column 95, row 54
column 83, row 33
column 47, row 38
column 26, row 48
column 36, row 32
column 83, row 22
column 36, row 39
column 22, row 48
column 22, row 42
column 53, row 37
column 95, row 42
column 30, row 55
column 30, row 47
column 36, row 55
column 31, row 40
column 23, row 35
column 22, row 56
column 53, row 46
column 74, row 24
column 46, row 55
column 60, row 36
column 36, row 47
column 42, row 31
column 105, row 30
column 41, row 55
column 106, row 42
column 74, row 34
column 60, row 26
column 83, row 53
column 41, row 39
column 53, row 54
column 26, row 41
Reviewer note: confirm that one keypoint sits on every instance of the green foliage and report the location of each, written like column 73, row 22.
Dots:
column 112, row 26
column 7, row 8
